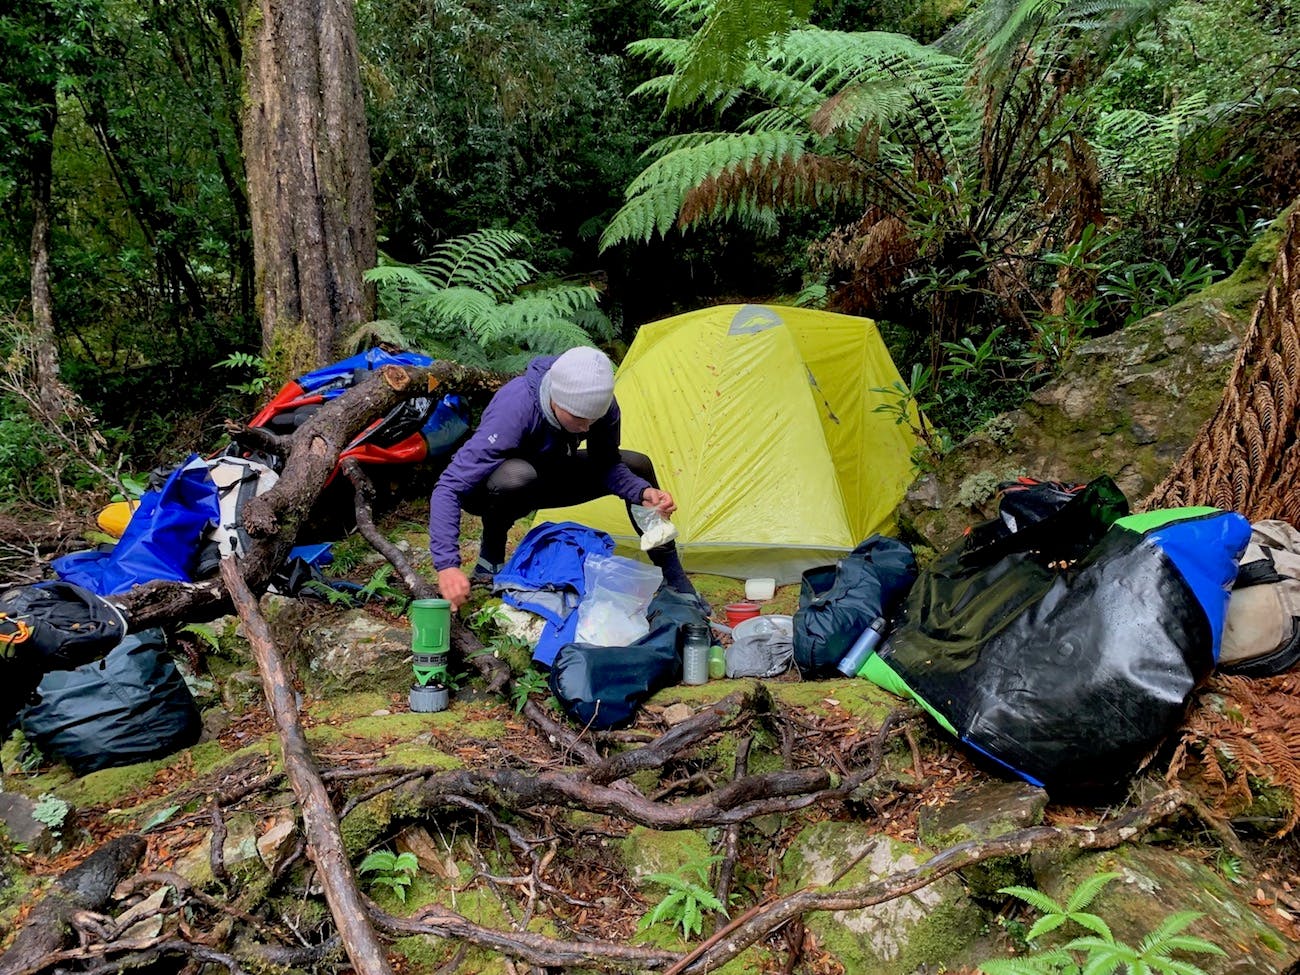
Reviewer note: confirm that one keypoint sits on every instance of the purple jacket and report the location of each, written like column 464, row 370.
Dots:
column 513, row 425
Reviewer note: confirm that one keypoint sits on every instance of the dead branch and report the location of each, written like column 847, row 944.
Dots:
column 666, row 746
column 535, row 949
column 753, row 795
column 86, row 887
column 731, row 840
column 322, row 829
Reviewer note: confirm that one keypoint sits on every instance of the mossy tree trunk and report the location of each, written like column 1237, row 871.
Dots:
column 309, row 189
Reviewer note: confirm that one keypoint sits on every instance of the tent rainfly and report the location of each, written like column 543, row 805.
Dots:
column 761, row 421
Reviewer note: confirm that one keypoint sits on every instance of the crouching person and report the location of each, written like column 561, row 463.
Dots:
column 524, row 456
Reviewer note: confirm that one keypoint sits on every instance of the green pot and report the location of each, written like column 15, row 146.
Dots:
column 430, row 625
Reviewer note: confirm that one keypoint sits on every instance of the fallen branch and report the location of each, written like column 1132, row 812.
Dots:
column 324, row 840
column 761, row 920
column 274, row 518
column 535, row 949
column 86, row 887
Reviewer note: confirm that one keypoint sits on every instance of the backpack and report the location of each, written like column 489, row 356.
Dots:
column 837, row 602
column 237, row 479
column 1262, row 634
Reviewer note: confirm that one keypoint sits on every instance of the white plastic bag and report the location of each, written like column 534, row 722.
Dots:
column 618, row 590
column 656, row 530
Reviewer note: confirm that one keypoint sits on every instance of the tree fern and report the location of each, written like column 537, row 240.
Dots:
column 656, row 196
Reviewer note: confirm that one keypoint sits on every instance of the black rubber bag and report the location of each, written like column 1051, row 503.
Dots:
column 602, row 687
column 1069, row 651
column 49, row 626
column 131, row 707
column 837, row 602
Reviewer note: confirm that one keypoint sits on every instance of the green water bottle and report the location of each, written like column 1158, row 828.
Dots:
column 430, row 642
column 717, row 662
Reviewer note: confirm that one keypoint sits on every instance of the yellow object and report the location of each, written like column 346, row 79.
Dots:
column 760, row 422
column 115, row 517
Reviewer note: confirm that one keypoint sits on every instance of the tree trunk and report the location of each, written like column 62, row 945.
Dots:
column 45, row 354
column 308, row 165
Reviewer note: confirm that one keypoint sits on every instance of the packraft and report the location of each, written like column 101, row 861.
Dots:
column 415, row 429
column 1067, row 651
column 1262, row 634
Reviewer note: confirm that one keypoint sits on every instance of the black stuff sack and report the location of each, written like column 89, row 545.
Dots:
column 131, row 707
column 602, row 687
column 837, row 602
column 1261, row 636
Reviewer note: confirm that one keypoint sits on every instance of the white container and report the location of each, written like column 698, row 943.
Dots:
column 760, row 590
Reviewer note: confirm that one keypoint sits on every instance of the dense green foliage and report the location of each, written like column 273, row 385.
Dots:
column 992, row 180
column 1037, row 173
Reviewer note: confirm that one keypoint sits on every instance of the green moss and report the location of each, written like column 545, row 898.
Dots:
column 384, row 726
column 367, row 824
column 646, row 851
column 356, row 705
column 425, row 954
column 410, row 753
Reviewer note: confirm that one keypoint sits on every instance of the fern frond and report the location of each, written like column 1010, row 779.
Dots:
column 1088, row 890
column 1167, row 929
column 382, row 330
column 1034, row 898
column 656, row 196
column 463, row 260
column 735, row 33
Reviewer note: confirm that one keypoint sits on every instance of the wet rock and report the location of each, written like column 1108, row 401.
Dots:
column 984, row 812
column 22, row 827
column 357, row 652
column 1126, row 404
column 1157, row 883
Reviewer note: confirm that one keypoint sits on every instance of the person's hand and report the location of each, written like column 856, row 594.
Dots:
column 454, row 586
column 655, row 498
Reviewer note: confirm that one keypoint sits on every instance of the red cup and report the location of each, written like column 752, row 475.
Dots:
column 740, row 611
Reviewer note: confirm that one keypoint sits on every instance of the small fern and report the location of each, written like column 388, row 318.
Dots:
column 687, row 898
column 1101, row 953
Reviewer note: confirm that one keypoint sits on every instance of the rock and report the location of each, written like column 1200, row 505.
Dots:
column 646, row 851
column 144, row 920
column 985, row 812
column 278, row 837
column 931, row 926
column 22, row 827
column 357, row 652
column 238, row 852
column 1126, row 404
column 1156, row 883
column 675, row 714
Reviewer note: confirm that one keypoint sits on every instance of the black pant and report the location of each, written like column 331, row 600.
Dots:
column 517, row 487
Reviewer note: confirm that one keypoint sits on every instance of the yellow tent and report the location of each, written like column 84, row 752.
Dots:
column 759, row 420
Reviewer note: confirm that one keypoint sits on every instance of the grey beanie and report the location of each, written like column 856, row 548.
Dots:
column 582, row 382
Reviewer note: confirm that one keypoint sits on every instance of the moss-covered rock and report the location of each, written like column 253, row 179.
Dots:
column 932, row 926
column 1127, row 404
column 1156, row 883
